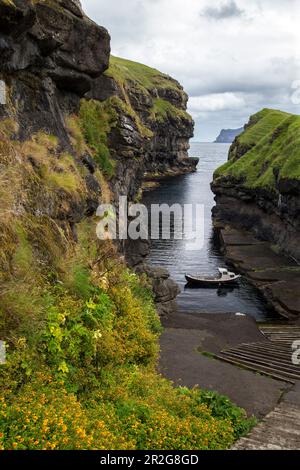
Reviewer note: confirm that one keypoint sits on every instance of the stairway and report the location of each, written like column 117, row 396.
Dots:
column 271, row 356
column 280, row 430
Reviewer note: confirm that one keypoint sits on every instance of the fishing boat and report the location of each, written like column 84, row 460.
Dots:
column 225, row 278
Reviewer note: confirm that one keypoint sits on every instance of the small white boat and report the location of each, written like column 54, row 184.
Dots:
column 225, row 277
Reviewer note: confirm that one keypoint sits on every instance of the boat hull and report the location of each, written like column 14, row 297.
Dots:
column 211, row 282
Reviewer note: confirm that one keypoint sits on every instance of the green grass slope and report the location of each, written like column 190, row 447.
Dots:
column 266, row 152
column 146, row 77
column 151, row 83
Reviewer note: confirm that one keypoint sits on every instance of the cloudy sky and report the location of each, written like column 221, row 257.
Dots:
column 233, row 57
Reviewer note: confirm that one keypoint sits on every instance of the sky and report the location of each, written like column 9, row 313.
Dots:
column 233, row 57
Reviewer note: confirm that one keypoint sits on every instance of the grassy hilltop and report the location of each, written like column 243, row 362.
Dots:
column 266, row 152
column 151, row 83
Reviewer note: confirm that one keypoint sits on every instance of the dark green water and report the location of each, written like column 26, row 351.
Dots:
column 172, row 254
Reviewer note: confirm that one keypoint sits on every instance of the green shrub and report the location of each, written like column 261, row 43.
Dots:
column 222, row 407
column 87, row 380
column 96, row 121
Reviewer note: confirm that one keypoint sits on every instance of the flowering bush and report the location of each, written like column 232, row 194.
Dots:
column 99, row 388
column 44, row 416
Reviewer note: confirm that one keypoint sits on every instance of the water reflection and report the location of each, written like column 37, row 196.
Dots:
column 172, row 254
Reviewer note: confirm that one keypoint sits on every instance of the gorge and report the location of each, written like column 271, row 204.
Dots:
column 78, row 128
column 81, row 318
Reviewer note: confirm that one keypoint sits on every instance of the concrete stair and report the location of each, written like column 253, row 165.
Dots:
column 280, row 430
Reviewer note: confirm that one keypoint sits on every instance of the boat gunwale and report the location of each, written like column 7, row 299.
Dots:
column 203, row 280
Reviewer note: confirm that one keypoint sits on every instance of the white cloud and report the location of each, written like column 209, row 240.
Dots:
column 247, row 54
column 215, row 102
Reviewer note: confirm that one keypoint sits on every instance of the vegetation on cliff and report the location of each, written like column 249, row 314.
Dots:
column 153, row 85
column 267, row 152
column 96, row 121
column 81, row 330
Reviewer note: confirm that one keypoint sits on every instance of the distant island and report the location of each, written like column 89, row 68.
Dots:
column 227, row 136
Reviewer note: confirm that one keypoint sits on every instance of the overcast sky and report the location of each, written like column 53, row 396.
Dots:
column 233, row 57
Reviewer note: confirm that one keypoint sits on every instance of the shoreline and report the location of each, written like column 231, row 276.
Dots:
column 189, row 345
column 276, row 276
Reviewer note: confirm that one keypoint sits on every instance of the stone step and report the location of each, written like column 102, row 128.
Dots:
column 277, row 364
column 267, row 352
column 284, row 354
column 280, row 430
column 253, row 368
column 261, row 365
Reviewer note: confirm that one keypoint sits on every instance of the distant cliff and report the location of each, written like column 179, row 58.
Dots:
column 227, row 136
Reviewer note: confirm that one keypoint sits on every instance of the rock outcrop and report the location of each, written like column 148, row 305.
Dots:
column 44, row 62
column 75, row 130
column 227, row 136
column 258, row 188
column 257, row 191
column 165, row 290
column 151, row 139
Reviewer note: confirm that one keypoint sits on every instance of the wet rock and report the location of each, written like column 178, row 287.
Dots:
column 276, row 276
column 165, row 290
column 136, row 251
column 286, row 294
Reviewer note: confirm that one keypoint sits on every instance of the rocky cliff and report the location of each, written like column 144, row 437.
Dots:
column 258, row 188
column 151, row 138
column 257, row 191
column 78, row 128
column 80, row 328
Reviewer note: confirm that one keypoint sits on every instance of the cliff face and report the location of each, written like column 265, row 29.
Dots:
column 258, row 188
column 75, row 132
column 47, row 69
column 44, row 62
column 151, row 138
column 46, row 183
column 257, row 191
column 227, row 136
